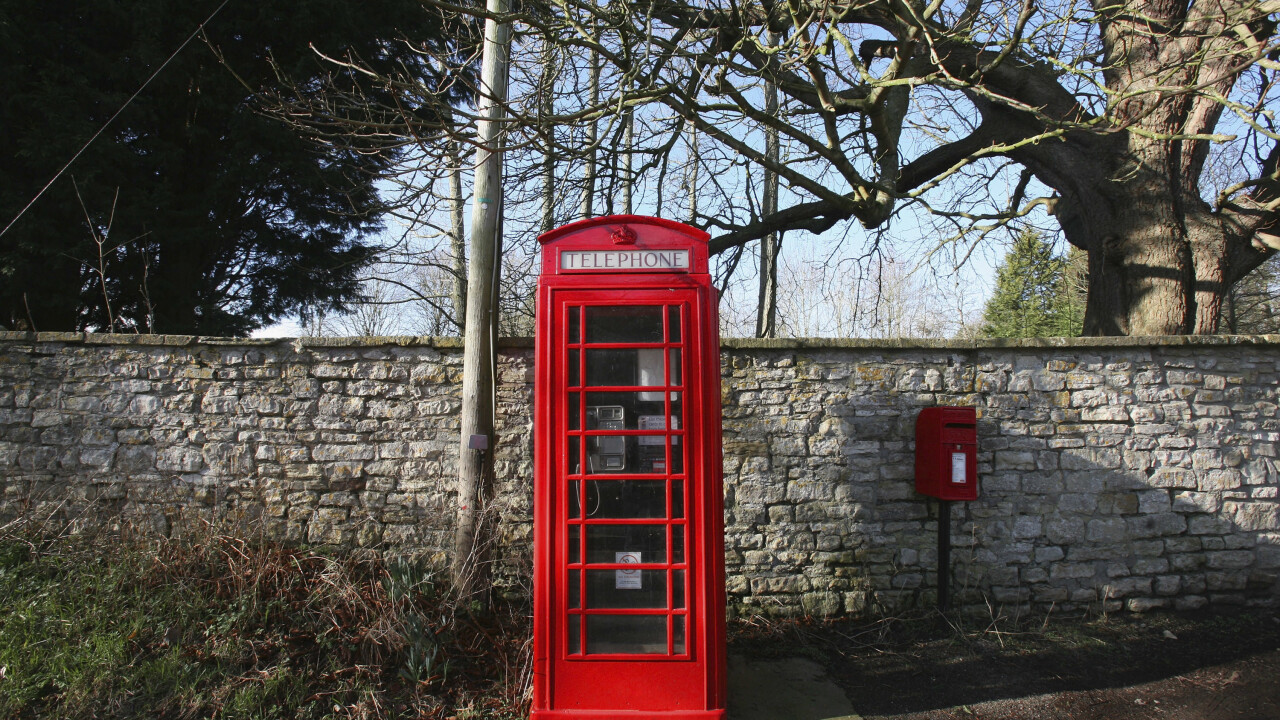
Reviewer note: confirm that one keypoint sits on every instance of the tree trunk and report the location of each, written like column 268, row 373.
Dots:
column 628, row 141
column 593, row 134
column 1156, row 266
column 457, row 237
column 547, row 83
column 771, row 244
column 475, row 451
column 691, row 178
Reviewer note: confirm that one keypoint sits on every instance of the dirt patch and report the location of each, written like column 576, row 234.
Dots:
column 1207, row 666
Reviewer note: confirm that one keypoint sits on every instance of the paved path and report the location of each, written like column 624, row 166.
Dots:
column 784, row 689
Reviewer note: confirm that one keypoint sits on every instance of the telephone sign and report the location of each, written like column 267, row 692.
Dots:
column 628, row 508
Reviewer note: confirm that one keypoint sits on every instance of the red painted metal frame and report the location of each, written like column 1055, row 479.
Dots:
column 940, row 432
column 644, row 687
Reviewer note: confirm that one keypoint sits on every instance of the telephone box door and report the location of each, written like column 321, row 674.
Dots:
column 625, row 533
column 628, row 529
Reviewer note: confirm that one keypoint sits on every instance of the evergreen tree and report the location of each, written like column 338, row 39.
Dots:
column 194, row 212
column 1038, row 293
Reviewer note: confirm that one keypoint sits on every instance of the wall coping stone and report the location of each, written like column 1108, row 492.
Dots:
column 444, row 343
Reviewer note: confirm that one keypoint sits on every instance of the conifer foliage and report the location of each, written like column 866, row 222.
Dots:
column 193, row 212
column 1035, row 295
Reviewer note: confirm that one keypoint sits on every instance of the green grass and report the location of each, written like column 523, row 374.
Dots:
column 224, row 628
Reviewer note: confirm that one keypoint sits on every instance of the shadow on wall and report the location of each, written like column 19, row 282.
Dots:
column 1137, row 480
column 1131, row 475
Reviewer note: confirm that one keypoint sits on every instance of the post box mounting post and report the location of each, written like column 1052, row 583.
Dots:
column 944, row 555
column 946, row 469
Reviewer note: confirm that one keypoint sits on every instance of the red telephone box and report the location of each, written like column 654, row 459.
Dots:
column 628, row 520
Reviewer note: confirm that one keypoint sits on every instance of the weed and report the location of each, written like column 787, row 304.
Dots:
column 222, row 626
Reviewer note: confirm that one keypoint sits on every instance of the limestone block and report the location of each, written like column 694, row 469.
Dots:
column 1264, row 516
column 1156, row 525
column 1109, row 530
column 183, row 459
column 1153, row 502
column 1173, row 477
column 1196, row 502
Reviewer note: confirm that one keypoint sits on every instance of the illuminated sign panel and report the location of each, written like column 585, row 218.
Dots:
column 624, row 260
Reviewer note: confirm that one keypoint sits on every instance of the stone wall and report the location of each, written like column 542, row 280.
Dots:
column 1114, row 473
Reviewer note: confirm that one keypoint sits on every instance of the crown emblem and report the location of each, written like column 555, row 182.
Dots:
column 623, row 236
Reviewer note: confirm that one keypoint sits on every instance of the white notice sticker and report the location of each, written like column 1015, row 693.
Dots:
column 657, row 422
column 628, row 579
column 957, row 468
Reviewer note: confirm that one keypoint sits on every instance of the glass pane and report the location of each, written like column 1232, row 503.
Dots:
column 677, row 632
column 575, row 411
column 677, row 457
column 649, row 372
column 575, row 464
column 605, row 542
column 623, row 410
column 625, row 454
column 626, row 499
column 575, row 499
column 609, row 454
column 673, row 323
column 575, row 326
column 575, row 634
column 641, row 366
column 607, row 589
column 575, row 372
column 574, row 594
column 624, row 324
column 677, row 589
column 677, row 543
column 614, row 367
column 651, row 456
column 633, row 634
column 574, row 555
column 677, row 498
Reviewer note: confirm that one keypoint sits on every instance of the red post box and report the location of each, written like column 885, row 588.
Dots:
column 947, row 453
column 628, row 517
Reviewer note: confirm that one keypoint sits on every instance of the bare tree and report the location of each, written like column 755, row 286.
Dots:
column 1103, row 116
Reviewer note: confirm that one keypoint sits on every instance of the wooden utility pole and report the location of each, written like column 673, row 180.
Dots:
column 475, row 459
